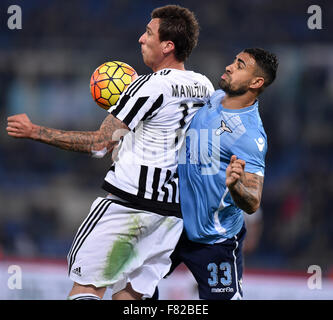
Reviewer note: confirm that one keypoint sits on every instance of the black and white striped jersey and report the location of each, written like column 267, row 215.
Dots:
column 158, row 109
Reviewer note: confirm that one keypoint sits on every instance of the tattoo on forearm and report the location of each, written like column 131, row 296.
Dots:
column 67, row 140
column 85, row 141
column 247, row 193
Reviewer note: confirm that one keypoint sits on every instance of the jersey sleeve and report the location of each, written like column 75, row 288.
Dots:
column 139, row 101
column 253, row 151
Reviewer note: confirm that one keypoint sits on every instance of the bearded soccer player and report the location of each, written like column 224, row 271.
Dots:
column 221, row 174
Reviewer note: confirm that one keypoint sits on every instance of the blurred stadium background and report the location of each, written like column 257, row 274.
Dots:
column 45, row 193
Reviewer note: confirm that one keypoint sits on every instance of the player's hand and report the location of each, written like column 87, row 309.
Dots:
column 19, row 126
column 235, row 171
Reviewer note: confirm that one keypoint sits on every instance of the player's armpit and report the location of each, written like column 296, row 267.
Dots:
column 111, row 132
column 247, row 192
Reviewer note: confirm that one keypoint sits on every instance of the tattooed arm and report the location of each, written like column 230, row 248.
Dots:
column 245, row 188
column 108, row 135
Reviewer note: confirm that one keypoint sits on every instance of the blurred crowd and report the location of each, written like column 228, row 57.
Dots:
column 45, row 69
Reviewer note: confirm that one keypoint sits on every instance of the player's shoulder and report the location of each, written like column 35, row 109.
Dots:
column 254, row 141
column 182, row 77
column 167, row 73
column 185, row 83
column 216, row 97
column 250, row 117
column 252, row 123
column 173, row 82
column 148, row 83
column 140, row 83
column 254, row 135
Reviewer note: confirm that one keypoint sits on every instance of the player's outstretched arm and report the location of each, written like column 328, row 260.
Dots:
column 108, row 135
column 245, row 188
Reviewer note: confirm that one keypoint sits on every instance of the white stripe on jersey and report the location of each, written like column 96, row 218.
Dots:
column 158, row 109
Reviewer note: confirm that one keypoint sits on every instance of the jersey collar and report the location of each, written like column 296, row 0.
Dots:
column 240, row 110
column 218, row 98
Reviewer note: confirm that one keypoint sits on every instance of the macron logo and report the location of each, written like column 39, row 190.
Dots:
column 260, row 143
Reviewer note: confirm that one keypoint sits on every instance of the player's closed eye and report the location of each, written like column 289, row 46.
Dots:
column 239, row 63
column 240, row 66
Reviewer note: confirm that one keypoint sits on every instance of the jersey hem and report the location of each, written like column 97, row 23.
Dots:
column 133, row 201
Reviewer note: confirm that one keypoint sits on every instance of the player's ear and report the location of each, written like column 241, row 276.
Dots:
column 168, row 46
column 257, row 82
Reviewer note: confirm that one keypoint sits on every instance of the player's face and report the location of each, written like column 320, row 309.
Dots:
column 238, row 75
column 151, row 47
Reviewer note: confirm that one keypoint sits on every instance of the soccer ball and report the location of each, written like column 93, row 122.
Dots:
column 108, row 82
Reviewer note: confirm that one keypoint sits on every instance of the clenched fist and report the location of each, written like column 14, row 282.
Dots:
column 19, row 126
column 235, row 171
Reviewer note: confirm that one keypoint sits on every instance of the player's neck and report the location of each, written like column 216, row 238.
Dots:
column 238, row 102
column 169, row 63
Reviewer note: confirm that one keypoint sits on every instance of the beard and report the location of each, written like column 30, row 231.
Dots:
column 233, row 92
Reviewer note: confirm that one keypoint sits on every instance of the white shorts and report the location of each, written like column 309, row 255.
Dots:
column 116, row 245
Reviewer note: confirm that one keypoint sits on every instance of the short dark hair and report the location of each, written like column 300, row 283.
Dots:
column 180, row 26
column 267, row 63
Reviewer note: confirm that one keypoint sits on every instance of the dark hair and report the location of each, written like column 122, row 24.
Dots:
column 180, row 26
column 267, row 63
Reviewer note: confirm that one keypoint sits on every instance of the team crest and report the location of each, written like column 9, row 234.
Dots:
column 222, row 129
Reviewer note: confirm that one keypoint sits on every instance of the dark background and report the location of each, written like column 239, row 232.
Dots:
column 45, row 69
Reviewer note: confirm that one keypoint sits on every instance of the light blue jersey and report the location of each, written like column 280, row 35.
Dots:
column 215, row 134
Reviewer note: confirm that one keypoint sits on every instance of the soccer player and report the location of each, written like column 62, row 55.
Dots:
column 126, row 240
column 221, row 175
